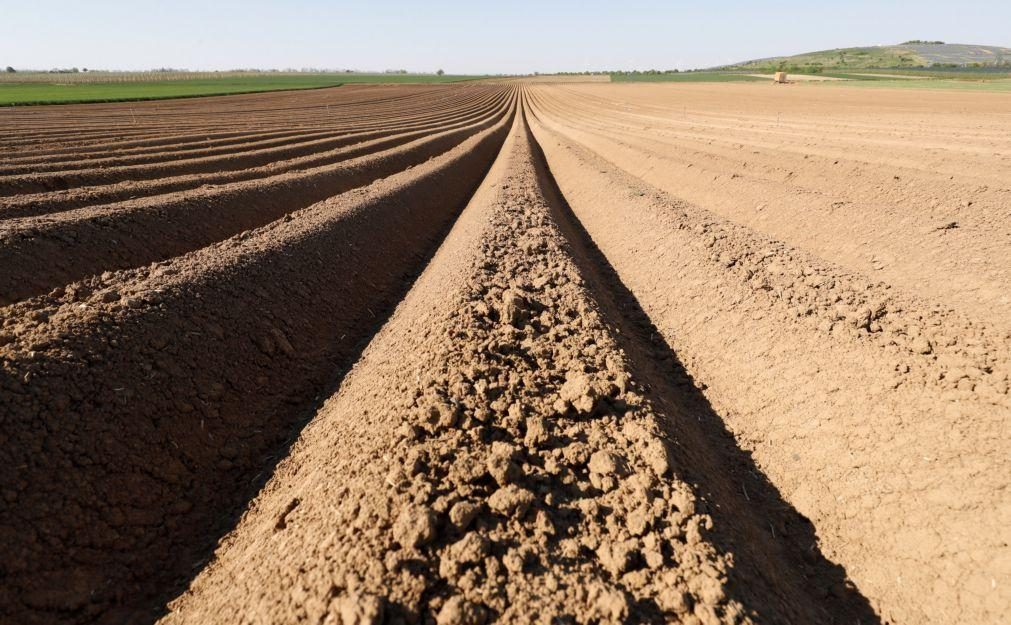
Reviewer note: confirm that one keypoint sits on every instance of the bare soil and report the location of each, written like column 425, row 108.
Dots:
column 507, row 352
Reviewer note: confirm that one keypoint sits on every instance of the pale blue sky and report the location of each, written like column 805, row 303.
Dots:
column 516, row 36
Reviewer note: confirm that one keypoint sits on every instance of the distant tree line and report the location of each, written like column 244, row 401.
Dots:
column 651, row 72
column 234, row 70
column 922, row 42
column 64, row 70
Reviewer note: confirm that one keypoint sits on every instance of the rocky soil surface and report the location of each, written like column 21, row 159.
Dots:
column 507, row 352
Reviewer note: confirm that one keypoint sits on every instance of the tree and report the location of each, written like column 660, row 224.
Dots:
column 440, row 73
column 10, row 70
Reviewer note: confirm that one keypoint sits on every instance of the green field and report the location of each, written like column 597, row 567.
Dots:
column 684, row 77
column 25, row 93
column 954, row 74
column 995, row 86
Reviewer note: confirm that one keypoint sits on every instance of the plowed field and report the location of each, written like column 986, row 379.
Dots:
column 559, row 353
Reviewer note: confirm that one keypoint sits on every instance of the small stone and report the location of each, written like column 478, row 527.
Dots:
column 920, row 345
column 459, row 611
column 415, row 526
column 110, row 296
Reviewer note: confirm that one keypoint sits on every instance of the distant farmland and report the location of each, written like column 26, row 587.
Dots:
column 683, row 77
column 44, row 88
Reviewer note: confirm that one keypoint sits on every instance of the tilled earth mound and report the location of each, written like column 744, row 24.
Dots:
column 490, row 456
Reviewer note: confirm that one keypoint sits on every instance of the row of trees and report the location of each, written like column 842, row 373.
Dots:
column 170, row 70
column 55, row 70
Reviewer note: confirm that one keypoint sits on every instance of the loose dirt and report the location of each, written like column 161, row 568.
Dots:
column 174, row 385
column 880, row 414
column 507, row 352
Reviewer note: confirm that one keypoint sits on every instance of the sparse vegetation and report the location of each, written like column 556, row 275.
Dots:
column 910, row 54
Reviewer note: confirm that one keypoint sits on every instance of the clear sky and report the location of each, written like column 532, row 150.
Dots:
column 506, row 36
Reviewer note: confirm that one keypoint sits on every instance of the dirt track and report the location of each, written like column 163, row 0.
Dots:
column 703, row 353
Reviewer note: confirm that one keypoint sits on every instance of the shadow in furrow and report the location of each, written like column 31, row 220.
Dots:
column 779, row 570
column 357, row 144
column 134, row 437
column 42, row 254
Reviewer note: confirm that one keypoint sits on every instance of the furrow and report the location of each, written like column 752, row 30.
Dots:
column 499, row 459
column 169, row 390
column 931, row 236
column 358, row 144
column 834, row 382
column 219, row 159
column 336, row 124
column 333, row 111
column 43, row 253
column 73, row 123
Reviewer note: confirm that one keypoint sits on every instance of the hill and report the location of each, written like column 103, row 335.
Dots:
column 908, row 54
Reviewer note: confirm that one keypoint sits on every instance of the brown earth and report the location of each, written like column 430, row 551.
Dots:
column 686, row 353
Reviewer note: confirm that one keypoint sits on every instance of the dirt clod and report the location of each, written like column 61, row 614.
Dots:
column 415, row 526
column 360, row 609
column 459, row 611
